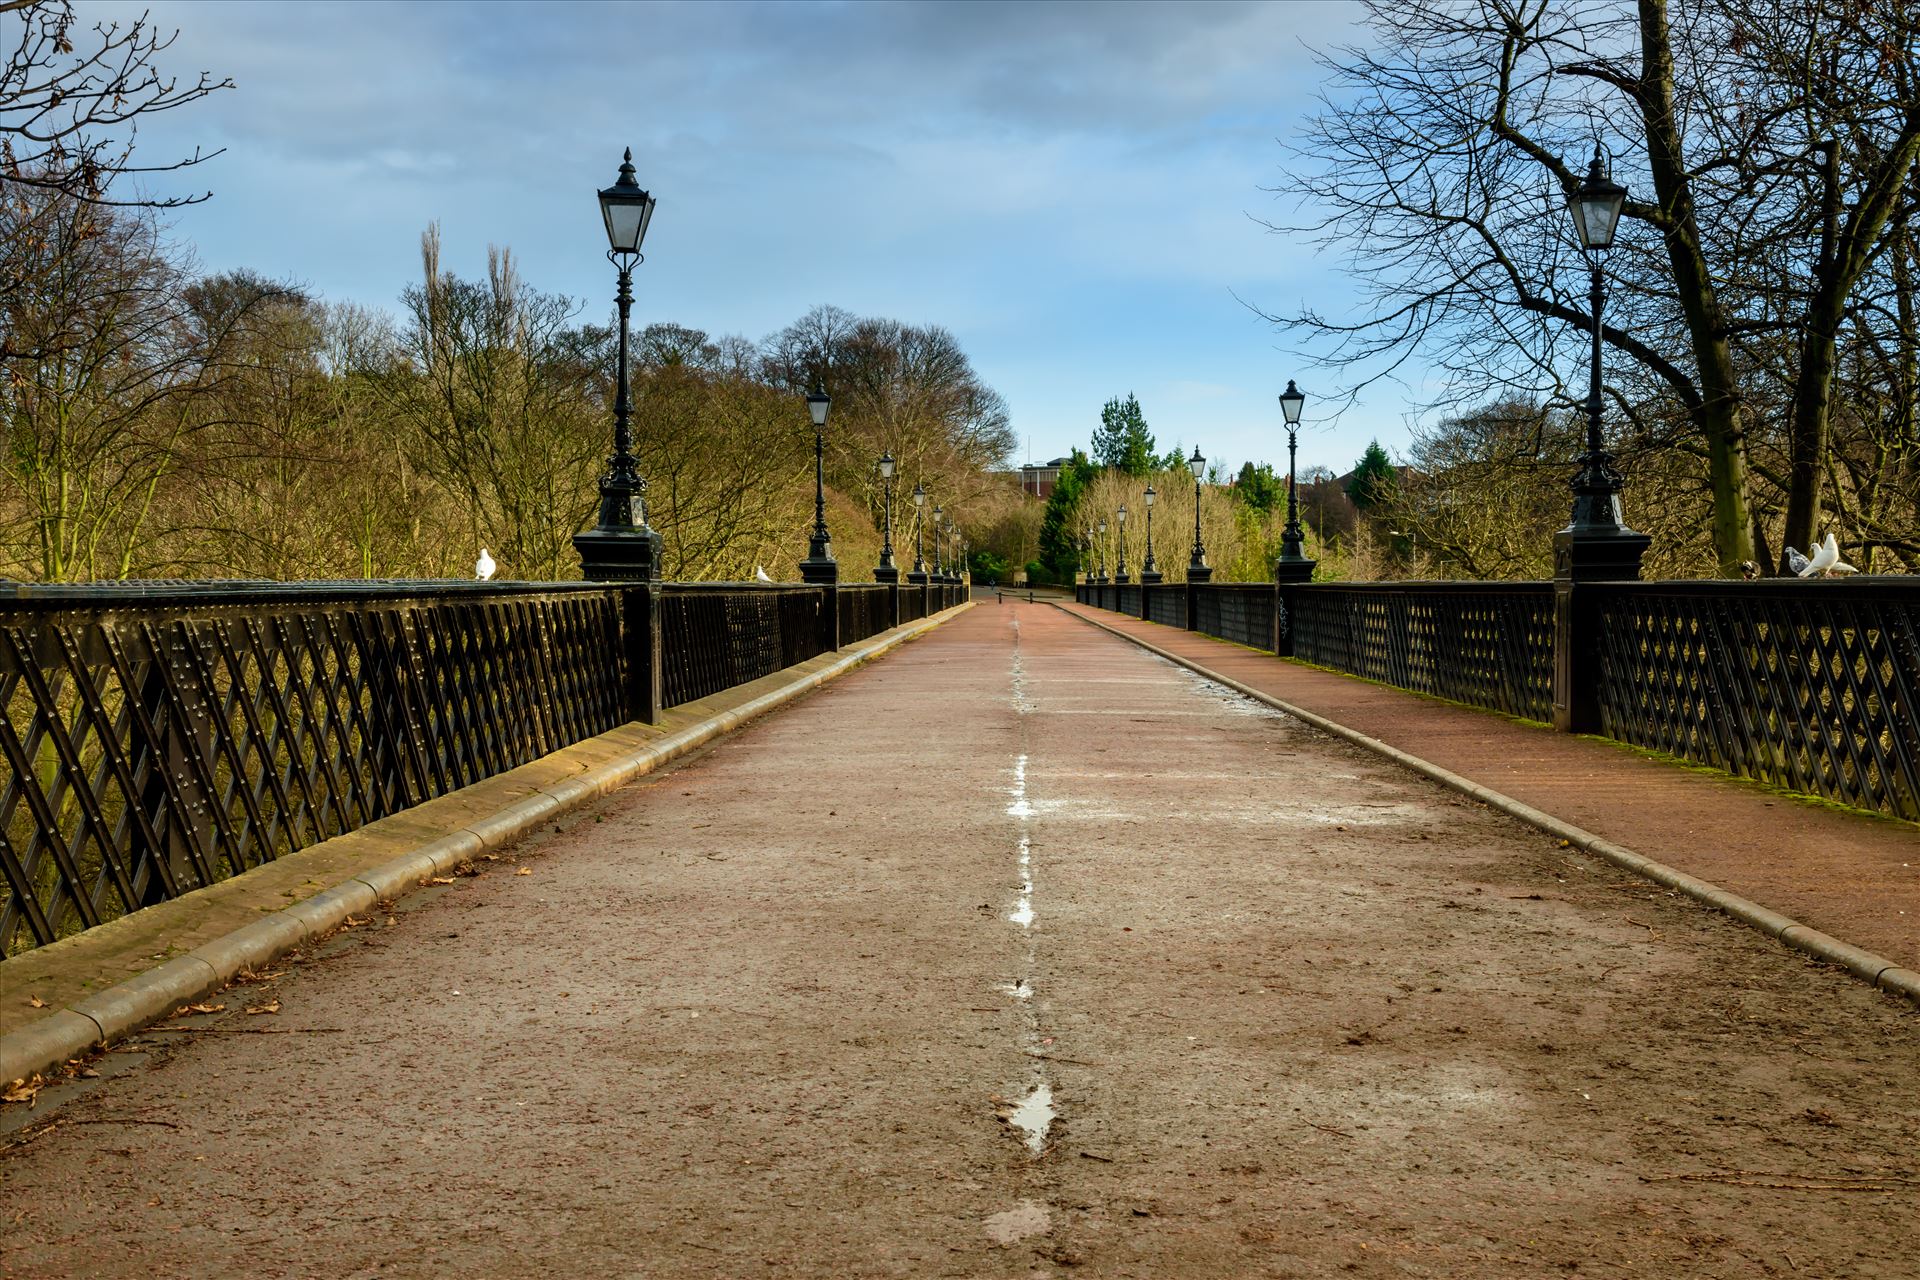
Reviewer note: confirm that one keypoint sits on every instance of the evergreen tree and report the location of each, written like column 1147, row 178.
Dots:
column 1059, row 529
column 1259, row 488
column 1122, row 440
column 1374, row 479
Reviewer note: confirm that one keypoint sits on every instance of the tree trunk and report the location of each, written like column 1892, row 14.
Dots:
column 1720, row 416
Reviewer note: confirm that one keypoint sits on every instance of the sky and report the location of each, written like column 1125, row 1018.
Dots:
column 1075, row 190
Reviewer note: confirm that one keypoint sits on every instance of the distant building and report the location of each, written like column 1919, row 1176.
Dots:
column 1038, row 478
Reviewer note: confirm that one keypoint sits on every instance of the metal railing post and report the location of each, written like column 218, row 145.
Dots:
column 829, row 617
column 640, row 638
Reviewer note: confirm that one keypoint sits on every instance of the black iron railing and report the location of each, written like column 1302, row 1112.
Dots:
column 1813, row 686
column 718, row 635
column 158, row 737
column 1236, row 611
column 1166, row 604
column 1485, row 644
column 866, row 609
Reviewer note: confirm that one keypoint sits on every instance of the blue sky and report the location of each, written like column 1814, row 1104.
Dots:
column 1072, row 189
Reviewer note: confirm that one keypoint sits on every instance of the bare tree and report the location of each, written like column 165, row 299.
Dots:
column 1442, row 159
column 70, row 106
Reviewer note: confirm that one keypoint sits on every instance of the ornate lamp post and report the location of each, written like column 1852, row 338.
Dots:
column 887, row 570
column 1293, row 565
column 1596, row 545
column 1198, row 570
column 1149, row 572
column 621, row 548
column 939, row 565
column 1102, row 528
column 1120, row 573
column 819, row 566
column 919, row 571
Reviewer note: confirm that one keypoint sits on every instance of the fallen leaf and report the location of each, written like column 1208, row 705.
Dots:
column 352, row 922
column 186, row 1009
column 36, row 1002
column 271, row 1006
column 524, row 871
column 438, row 880
column 22, row 1090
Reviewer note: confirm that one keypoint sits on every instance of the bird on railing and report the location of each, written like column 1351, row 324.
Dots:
column 484, row 568
column 1795, row 562
column 1826, row 561
column 760, row 575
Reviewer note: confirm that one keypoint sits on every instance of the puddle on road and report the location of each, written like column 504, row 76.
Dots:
column 1034, row 1116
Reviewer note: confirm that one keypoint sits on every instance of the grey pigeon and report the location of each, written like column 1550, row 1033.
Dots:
column 1796, row 563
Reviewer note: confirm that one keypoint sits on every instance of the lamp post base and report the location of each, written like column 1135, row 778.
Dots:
column 820, row 569
column 1598, row 554
column 1296, row 569
column 630, row 554
column 1150, row 576
column 886, row 573
column 1199, row 573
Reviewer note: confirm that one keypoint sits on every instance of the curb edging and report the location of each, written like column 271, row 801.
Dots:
column 127, row 1006
column 1871, row 968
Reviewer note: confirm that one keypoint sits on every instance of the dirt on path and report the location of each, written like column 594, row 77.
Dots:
column 1019, row 953
column 1853, row 875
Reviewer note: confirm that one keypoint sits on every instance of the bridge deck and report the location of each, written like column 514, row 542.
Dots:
column 800, row 1006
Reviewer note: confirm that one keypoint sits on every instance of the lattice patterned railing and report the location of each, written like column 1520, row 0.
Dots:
column 866, row 609
column 1167, row 604
column 717, row 635
column 156, row 740
column 1486, row 644
column 1238, row 611
column 1812, row 686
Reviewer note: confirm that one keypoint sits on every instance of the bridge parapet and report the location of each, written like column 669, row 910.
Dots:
column 1809, row 685
column 157, row 737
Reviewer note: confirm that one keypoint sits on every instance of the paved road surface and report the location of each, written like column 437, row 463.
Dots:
column 1018, row 953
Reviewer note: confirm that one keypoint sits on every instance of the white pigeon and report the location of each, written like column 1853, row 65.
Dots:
column 760, row 575
column 484, row 568
column 1830, row 552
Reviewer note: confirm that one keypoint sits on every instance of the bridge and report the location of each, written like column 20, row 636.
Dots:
column 1193, row 929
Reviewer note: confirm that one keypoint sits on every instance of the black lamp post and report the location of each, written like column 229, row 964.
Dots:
column 1149, row 572
column 1102, row 528
column 1293, row 565
column 1120, row 573
column 939, row 564
column 1198, row 570
column 919, row 571
column 621, row 548
column 1596, row 545
column 819, row 566
column 887, row 570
